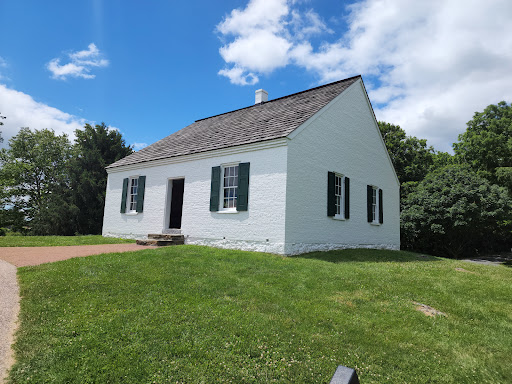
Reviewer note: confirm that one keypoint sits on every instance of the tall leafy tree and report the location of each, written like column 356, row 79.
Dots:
column 487, row 144
column 34, row 178
column 95, row 148
column 411, row 157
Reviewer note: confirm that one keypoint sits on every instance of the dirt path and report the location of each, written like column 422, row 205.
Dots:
column 12, row 257
column 9, row 308
column 24, row 256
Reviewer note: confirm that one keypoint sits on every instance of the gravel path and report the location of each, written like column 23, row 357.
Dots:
column 12, row 257
column 9, row 308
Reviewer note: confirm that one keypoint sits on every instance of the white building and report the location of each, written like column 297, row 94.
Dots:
column 301, row 173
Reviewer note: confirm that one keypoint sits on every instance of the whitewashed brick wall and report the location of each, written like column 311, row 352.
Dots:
column 342, row 138
column 260, row 228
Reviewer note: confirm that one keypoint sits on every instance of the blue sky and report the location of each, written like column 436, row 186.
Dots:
column 149, row 69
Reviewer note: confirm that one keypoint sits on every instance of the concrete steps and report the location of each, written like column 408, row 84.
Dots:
column 162, row 240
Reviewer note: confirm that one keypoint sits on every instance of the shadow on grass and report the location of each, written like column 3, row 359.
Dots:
column 362, row 255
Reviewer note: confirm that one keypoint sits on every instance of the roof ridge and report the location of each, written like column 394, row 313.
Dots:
column 279, row 98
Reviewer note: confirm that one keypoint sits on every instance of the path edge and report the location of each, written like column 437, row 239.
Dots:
column 9, row 312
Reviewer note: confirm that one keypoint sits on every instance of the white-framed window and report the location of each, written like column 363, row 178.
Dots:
column 132, row 194
column 229, row 187
column 375, row 205
column 339, row 196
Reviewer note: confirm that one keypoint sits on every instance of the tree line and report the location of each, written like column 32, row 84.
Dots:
column 456, row 205
column 451, row 205
column 50, row 186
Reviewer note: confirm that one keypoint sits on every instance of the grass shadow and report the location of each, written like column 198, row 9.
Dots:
column 362, row 255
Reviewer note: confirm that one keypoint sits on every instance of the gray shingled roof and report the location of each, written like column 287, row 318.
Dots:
column 266, row 121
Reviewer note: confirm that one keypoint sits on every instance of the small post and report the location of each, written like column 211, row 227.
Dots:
column 344, row 375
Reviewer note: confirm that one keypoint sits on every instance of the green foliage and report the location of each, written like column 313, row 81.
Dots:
column 1, row 123
column 455, row 212
column 487, row 143
column 504, row 177
column 95, row 148
column 442, row 159
column 54, row 188
column 34, row 176
column 200, row 315
column 411, row 157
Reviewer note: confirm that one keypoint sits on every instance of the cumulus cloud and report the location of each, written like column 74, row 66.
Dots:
column 21, row 110
column 80, row 64
column 427, row 65
column 264, row 34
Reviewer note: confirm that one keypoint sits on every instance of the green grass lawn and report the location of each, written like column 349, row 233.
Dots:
column 52, row 241
column 193, row 314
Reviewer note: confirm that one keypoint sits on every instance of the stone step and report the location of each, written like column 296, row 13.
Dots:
column 161, row 243
column 165, row 236
column 172, row 231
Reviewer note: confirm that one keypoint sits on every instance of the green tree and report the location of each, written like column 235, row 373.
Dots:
column 34, row 179
column 454, row 212
column 1, row 123
column 442, row 159
column 411, row 157
column 487, row 144
column 95, row 148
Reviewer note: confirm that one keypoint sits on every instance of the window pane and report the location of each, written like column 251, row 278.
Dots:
column 230, row 186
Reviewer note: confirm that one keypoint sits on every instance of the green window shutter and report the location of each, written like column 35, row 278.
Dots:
column 347, row 198
column 123, row 196
column 242, row 200
column 140, row 193
column 215, row 189
column 369, row 200
column 331, row 198
column 381, row 211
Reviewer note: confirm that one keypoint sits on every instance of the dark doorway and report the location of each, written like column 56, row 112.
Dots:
column 176, row 203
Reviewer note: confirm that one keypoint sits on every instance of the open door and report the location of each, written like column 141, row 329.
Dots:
column 176, row 203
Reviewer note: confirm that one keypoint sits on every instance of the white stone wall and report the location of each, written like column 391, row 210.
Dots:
column 260, row 228
column 342, row 138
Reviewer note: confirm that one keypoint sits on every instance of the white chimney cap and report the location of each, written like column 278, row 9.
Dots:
column 261, row 96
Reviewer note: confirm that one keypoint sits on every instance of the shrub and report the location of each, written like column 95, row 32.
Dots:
column 454, row 212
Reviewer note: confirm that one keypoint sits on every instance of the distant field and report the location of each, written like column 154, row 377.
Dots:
column 51, row 241
column 191, row 314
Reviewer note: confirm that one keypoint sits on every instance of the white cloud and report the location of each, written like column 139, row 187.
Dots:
column 428, row 65
column 262, row 52
column 239, row 76
column 264, row 33
column 21, row 110
column 308, row 24
column 259, row 15
column 80, row 65
column 139, row 146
